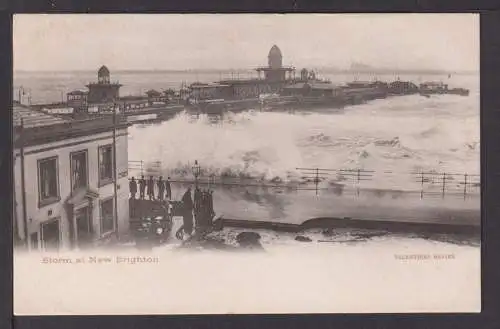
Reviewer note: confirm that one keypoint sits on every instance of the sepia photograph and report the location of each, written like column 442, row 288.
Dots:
column 246, row 163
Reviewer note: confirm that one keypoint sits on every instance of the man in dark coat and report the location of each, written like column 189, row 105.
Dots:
column 202, row 213
column 151, row 188
column 167, row 188
column 132, row 187
column 204, row 209
column 142, row 187
column 161, row 188
column 187, row 204
column 211, row 204
column 197, row 200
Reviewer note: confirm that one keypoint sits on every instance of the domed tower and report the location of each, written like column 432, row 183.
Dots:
column 103, row 75
column 275, row 58
column 275, row 72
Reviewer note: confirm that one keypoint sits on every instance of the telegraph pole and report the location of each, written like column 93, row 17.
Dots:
column 21, row 89
column 115, row 187
column 23, row 185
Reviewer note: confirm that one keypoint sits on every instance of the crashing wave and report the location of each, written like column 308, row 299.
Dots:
column 395, row 142
column 320, row 138
column 474, row 146
column 266, row 147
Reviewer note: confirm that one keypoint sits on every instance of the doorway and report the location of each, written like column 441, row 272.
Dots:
column 50, row 235
column 34, row 240
column 84, row 232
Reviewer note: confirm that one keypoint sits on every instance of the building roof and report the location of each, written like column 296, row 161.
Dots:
column 317, row 86
column 360, row 83
column 208, row 85
column 283, row 68
column 78, row 92
column 103, row 71
column 115, row 84
column 403, row 83
column 432, row 83
column 132, row 98
column 153, row 92
column 31, row 117
column 43, row 131
column 243, row 82
column 275, row 51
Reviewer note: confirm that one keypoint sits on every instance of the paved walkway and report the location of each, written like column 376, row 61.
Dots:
column 296, row 207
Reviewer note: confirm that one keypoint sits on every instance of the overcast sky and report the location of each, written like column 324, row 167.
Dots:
column 142, row 42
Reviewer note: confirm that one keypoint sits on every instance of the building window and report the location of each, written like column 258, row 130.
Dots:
column 79, row 170
column 107, row 218
column 48, row 181
column 105, row 164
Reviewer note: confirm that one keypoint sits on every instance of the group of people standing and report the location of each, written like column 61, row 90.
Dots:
column 201, row 205
column 197, row 208
column 147, row 187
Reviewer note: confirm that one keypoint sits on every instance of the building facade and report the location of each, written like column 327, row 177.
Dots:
column 66, row 194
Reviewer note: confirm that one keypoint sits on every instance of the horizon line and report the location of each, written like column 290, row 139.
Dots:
column 215, row 70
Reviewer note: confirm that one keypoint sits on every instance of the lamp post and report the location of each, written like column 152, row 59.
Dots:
column 196, row 172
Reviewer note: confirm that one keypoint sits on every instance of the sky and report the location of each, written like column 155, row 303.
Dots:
column 48, row 42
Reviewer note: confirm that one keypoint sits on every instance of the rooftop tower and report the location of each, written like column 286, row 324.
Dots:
column 103, row 91
column 275, row 71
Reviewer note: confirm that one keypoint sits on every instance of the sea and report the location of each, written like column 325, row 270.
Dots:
column 389, row 140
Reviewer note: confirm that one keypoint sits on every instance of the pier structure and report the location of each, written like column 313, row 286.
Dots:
column 276, row 88
column 271, row 79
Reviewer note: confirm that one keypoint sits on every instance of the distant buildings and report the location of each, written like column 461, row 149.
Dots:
column 103, row 96
column 66, row 194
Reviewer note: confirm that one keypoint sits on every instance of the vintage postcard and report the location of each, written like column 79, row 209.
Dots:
column 215, row 164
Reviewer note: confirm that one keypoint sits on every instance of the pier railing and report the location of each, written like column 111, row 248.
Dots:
column 427, row 184
column 143, row 168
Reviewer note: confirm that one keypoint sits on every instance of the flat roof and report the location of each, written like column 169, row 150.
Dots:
column 323, row 86
column 32, row 117
column 433, row 83
column 153, row 92
column 212, row 85
column 94, row 84
column 78, row 92
column 131, row 97
column 283, row 68
column 246, row 81
column 358, row 83
column 42, row 128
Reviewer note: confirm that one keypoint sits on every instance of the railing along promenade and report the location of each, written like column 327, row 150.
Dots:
column 426, row 184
